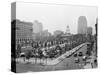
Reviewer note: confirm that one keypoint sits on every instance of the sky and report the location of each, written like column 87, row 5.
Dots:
column 56, row 17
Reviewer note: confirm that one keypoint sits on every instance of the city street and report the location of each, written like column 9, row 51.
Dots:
column 66, row 64
column 61, row 40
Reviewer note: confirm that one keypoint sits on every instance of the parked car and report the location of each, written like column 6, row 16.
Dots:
column 22, row 54
column 84, row 58
column 80, row 54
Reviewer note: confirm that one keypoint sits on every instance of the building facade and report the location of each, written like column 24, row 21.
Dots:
column 45, row 33
column 67, row 33
column 37, row 27
column 58, row 32
column 82, row 25
column 89, row 30
column 24, row 30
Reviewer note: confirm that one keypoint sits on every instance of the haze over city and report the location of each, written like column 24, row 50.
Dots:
column 56, row 17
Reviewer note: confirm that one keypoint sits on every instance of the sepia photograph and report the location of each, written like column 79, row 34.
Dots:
column 53, row 37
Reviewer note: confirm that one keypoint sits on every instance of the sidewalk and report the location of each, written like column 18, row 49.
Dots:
column 93, row 57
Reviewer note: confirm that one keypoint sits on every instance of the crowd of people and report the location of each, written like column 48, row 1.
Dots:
column 48, row 48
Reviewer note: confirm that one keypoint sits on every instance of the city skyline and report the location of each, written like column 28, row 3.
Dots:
column 36, row 29
column 51, row 37
column 54, row 17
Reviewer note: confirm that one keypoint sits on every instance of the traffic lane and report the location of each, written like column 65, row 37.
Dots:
column 82, row 50
column 71, row 60
column 68, row 54
column 69, row 63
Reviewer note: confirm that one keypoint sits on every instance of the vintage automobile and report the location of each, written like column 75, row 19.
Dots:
column 80, row 54
column 75, row 55
column 84, row 58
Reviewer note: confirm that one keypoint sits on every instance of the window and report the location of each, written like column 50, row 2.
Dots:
column 17, row 28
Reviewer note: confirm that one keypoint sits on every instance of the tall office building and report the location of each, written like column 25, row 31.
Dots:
column 37, row 27
column 82, row 25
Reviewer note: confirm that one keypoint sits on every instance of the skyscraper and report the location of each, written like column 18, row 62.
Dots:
column 82, row 25
column 37, row 26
